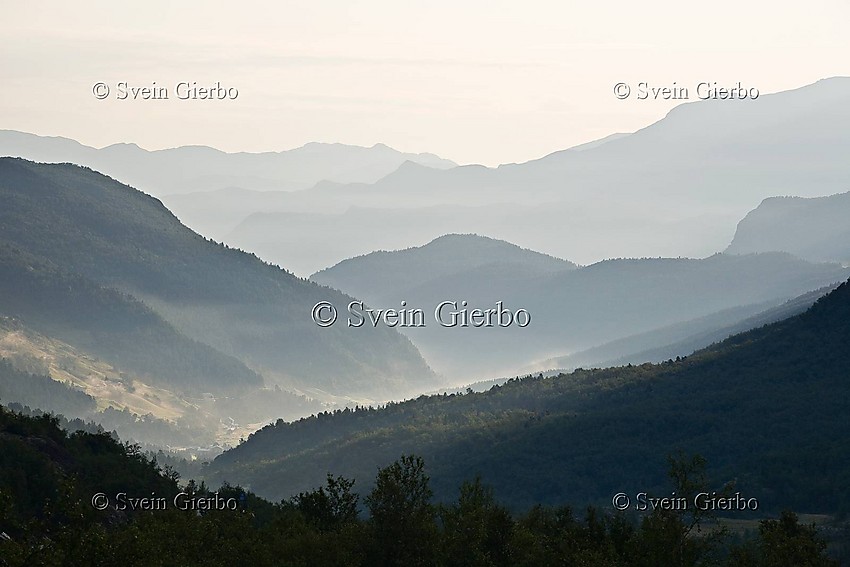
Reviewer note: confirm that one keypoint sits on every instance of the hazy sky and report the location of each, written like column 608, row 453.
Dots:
column 474, row 81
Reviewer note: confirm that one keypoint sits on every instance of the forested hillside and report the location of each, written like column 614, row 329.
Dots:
column 40, row 391
column 112, row 325
column 88, row 225
column 767, row 408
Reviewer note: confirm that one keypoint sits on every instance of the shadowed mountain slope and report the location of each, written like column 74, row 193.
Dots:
column 87, row 224
column 766, row 408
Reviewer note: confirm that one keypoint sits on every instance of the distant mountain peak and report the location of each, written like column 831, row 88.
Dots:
column 412, row 165
column 813, row 228
column 130, row 145
column 408, row 169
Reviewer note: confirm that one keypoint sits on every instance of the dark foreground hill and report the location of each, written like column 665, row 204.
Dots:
column 86, row 499
column 83, row 223
column 767, row 408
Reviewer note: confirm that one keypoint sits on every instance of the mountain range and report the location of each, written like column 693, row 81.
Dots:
column 201, row 168
column 107, row 288
column 572, row 308
column 675, row 188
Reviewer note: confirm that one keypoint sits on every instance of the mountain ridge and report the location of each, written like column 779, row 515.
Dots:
column 572, row 308
column 677, row 187
column 113, row 235
column 115, row 326
column 468, row 247
column 813, row 228
column 196, row 167
column 584, row 436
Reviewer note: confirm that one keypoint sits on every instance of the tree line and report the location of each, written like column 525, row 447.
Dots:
column 48, row 517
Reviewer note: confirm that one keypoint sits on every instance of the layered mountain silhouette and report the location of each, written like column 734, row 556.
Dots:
column 91, row 236
column 675, row 188
column 359, row 230
column 766, row 408
column 201, row 168
column 816, row 229
column 572, row 309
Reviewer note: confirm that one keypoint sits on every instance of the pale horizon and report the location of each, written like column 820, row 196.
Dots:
column 478, row 83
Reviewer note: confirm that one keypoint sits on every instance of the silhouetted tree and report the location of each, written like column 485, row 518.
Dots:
column 402, row 515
